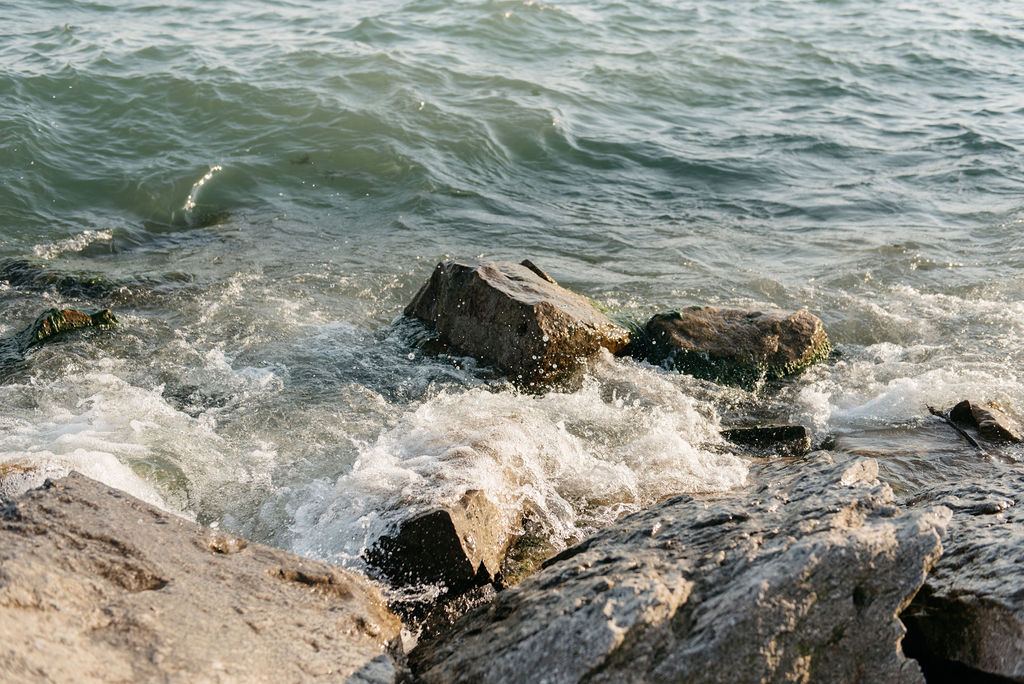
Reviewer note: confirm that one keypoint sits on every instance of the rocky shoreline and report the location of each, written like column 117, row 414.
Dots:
column 815, row 572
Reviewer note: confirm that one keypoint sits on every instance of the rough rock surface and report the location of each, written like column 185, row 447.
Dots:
column 461, row 546
column 96, row 586
column 508, row 314
column 734, row 346
column 795, row 580
column 50, row 324
column 784, row 440
column 991, row 422
column 971, row 608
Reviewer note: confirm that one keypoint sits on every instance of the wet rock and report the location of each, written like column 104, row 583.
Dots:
column 25, row 275
column 96, row 586
column 733, row 346
column 49, row 325
column 461, row 546
column 971, row 609
column 990, row 420
column 531, row 328
column 799, row 579
column 57, row 321
column 785, row 440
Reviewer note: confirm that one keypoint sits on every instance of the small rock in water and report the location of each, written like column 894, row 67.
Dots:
column 57, row 321
column 785, row 440
column 461, row 546
column 514, row 316
column 990, row 420
column 733, row 346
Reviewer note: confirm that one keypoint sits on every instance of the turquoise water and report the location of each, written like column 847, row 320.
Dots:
column 267, row 184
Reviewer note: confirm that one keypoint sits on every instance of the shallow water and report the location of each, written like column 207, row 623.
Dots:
column 267, row 185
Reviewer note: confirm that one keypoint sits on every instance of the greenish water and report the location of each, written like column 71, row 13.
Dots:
column 269, row 184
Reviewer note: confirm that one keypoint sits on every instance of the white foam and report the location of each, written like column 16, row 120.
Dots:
column 572, row 460
column 75, row 243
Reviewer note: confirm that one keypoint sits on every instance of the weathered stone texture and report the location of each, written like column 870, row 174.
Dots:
column 971, row 608
column 795, row 580
column 734, row 345
column 96, row 586
column 531, row 328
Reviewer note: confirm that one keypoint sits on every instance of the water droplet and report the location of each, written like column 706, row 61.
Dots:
column 545, row 338
column 412, row 356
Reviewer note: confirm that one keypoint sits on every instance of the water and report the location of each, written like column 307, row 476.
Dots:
column 267, row 185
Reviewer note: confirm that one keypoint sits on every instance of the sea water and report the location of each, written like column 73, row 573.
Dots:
column 266, row 185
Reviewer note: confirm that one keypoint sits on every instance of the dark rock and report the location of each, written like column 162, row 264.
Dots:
column 971, row 608
column 28, row 276
column 990, row 420
column 57, row 321
column 460, row 546
column 799, row 579
column 532, row 329
column 96, row 586
column 785, row 440
column 733, row 346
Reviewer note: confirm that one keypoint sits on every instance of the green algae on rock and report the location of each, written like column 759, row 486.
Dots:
column 733, row 346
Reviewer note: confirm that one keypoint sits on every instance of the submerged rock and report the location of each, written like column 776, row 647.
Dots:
column 50, row 324
column 971, row 608
column 991, row 422
column 515, row 317
column 98, row 586
column 733, row 346
column 57, row 321
column 26, row 275
column 461, row 546
column 785, row 440
column 794, row 580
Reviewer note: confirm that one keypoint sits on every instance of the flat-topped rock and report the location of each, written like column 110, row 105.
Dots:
column 515, row 317
column 784, row 440
column 734, row 346
column 799, row 579
column 96, row 586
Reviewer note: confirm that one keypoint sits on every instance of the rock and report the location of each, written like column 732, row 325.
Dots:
column 49, row 325
column 57, row 321
column 96, row 586
column 734, row 346
column 460, row 546
column 785, row 440
column 514, row 317
column 991, row 422
column 799, row 579
column 28, row 276
column 971, row 608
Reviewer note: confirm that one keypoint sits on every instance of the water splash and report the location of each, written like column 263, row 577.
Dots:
column 193, row 195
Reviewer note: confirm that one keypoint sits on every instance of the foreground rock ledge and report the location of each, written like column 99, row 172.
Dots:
column 509, row 314
column 733, row 346
column 98, row 586
column 971, row 608
column 798, row 580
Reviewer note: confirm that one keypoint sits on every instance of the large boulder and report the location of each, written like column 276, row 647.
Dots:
column 96, row 586
column 514, row 316
column 971, row 609
column 734, row 346
column 798, row 580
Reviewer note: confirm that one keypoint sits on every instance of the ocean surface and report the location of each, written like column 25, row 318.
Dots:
column 263, row 186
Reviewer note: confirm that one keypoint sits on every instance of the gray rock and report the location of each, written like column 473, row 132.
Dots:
column 990, row 420
column 971, row 608
column 734, row 346
column 461, row 546
column 515, row 317
column 784, row 440
column 96, row 586
column 798, row 580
